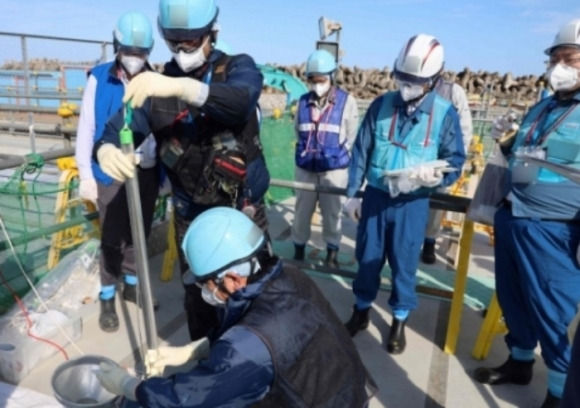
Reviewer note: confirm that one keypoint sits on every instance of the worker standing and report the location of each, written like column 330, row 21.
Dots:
column 102, row 97
column 402, row 132
column 326, row 125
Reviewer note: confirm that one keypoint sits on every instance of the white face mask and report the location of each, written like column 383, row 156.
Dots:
column 132, row 64
column 410, row 91
column 211, row 297
column 321, row 88
column 188, row 61
column 562, row 77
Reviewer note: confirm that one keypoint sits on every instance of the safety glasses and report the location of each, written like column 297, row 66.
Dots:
column 565, row 59
column 187, row 46
column 201, row 284
column 401, row 76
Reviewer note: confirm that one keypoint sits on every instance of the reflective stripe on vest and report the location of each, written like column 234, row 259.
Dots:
column 323, row 127
column 420, row 145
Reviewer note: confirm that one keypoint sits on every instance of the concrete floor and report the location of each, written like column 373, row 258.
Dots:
column 423, row 376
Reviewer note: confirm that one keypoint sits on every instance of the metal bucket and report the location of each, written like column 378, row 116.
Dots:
column 76, row 385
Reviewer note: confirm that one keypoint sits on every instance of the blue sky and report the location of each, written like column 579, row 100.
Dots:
column 489, row 35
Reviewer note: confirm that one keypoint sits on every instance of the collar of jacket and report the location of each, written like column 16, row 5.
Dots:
column 239, row 301
column 116, row 66
column 425, row 106
column 313, row 100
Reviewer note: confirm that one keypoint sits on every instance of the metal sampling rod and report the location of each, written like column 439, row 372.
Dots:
column 138, row 234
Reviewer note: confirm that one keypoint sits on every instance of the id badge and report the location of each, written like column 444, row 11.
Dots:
column 526, row 173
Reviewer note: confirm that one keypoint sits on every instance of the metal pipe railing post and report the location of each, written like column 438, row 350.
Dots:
column 27, row 88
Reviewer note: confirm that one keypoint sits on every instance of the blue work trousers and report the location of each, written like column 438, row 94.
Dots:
column 390, row 229
column 537, row 283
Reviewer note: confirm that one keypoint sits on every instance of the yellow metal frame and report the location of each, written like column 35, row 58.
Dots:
column 459, row 188
column 492, row 325
column 454, row 322
column 170, row 253
column 66, row 203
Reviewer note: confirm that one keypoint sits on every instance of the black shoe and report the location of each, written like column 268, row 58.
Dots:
column 397, row 341
column 130, row 295
column 299, row 252
column 512, row 371
column 428, row 254
column 551, row 401
column 358, row 321
column 331, row 261
column 108, row 319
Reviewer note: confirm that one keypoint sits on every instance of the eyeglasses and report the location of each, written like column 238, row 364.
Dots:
column 201, row 284
column 187, row 46
column 565, row 59
column 412, row 79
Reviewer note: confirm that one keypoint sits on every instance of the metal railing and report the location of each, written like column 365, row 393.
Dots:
column 24, row 93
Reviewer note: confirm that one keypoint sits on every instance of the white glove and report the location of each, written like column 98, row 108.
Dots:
column 118, row 381
column 429, row 176
column 503, row 124
column 352, row 207
column 149, row 84
column 115, row 163
column 88, row 190
column 156, row 360
column 578, row 255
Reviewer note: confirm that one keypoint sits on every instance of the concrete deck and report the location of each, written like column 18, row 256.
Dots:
column 422, row 377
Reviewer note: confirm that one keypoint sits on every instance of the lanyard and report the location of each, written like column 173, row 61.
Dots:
column 184, row 113
column 545, row 134
column 394, row 123
column 330, row 105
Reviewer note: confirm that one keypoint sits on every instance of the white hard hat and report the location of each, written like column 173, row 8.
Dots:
column 569, row 34
column 420, row 58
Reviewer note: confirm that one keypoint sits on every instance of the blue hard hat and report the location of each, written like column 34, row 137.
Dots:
column 219, row 238
column 223, row 47
column 133, row 33
column 182, row 20
column 320, row 62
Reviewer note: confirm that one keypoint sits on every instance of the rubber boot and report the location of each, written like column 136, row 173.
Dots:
column 299, row 252
column 130, row 295
column 428, row 254
column 108, row 319
column 358, row 321
column 512, row 372
column 551, row 401
column 331, row 261
column 397, row 341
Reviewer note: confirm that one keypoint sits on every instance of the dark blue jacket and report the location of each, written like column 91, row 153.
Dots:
column 239, row 370
column 230, row 103
column 280, row 345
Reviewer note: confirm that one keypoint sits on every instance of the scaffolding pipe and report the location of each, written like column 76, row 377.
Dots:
column 50, row 155
column 439, row 201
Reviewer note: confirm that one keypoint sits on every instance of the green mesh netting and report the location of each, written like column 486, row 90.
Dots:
column 27, row 208
column 279, row 143
column 28, row 205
